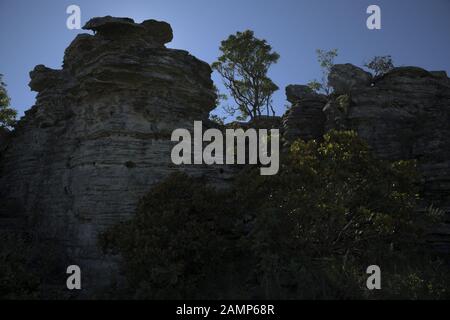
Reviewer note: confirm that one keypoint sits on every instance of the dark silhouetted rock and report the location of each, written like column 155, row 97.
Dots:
column 346, row 77
column 98, row 137
column 305, row 118
column 296, row 93
column 404, row 114
column 159, row 31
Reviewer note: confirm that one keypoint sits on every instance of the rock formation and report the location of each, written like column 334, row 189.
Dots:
column 404, row 114
column 305, row 118
column 98, row 136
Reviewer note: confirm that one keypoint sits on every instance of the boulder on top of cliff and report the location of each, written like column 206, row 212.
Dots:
column 409, row 72
column 43, row 77
column 296, row 93
column 439, row 74
column 346, row 77
column 305, row 118
column 159, row 31
column 132, row 56
column 103, row 23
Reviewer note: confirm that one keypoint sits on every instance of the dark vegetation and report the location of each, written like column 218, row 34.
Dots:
column 309, row 232
column 29, row 263
column 380, row 65
column 7, row 114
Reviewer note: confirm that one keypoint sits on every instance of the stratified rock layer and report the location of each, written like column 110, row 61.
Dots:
column 99, row 135
column 305, row 118
column 404, row 114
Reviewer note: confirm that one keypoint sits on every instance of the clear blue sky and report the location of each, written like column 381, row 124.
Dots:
column 414, row 32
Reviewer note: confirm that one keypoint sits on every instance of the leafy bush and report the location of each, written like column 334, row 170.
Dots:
column 332, row 211
column 326, row 62
column 380, row 65
column 176, row 240
column 32, row 264
column 309, row 232
column 16, row 280
column 7, row 114
column 244, row 64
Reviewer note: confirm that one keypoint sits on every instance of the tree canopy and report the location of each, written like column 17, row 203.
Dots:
column 380, row 65
column 326, row 62
column 244, row 66
column 7, row 114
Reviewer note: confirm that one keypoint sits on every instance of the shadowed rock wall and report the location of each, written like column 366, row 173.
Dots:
column 98, row 136
column 404, row 114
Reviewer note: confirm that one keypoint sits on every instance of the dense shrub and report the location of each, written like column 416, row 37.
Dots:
column 309, row 232
column 177, row 240
column 332, row 211
column 32, row 264
column 16, row 280
column 380, row 65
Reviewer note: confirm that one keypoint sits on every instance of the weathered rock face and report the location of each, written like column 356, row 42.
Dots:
column 404, row 114
column 99, row 135
column 305, row 118
column 347, row 77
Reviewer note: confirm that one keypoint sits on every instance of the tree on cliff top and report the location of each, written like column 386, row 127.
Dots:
column 380, row 65
column 326, row 61
column 243, row 65
column 7, row 114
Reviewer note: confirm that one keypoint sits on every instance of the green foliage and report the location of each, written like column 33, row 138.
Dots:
column 309, row 232
column 315, row 85
column 176, row 241
column 16, row 280
column 32, row 264
column 7, row 114
column 243, row 65
column 219, row 98
column 343, row 103
column 334, row 210
column 326, row 62
column 217, row 119
column 380, row 65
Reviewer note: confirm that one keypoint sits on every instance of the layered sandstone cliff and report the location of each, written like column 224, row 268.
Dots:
column 99, row 134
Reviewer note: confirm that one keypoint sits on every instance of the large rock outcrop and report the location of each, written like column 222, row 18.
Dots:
column 404, row 114
column 305, row 118
column 98, row 136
